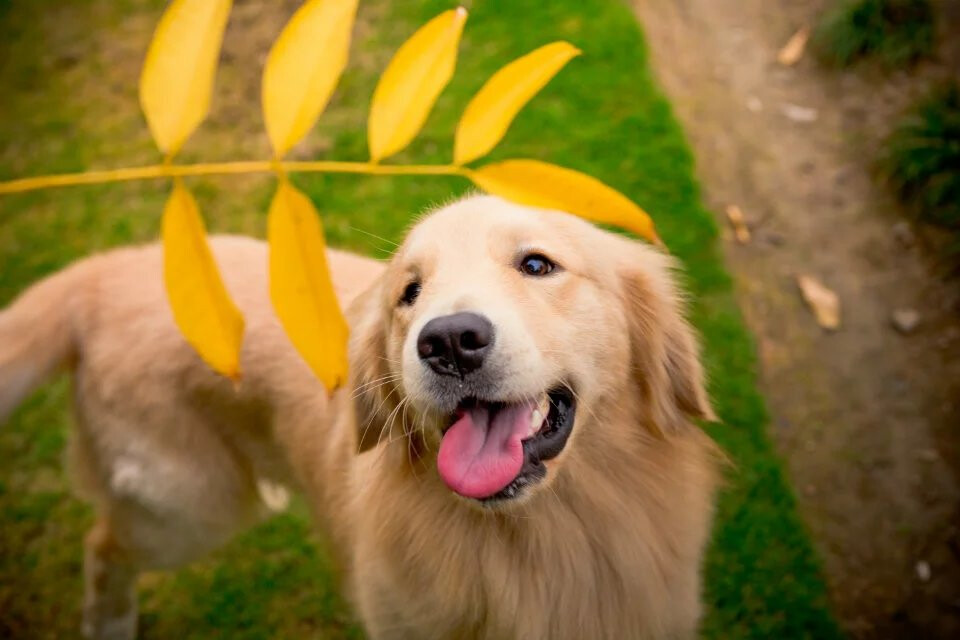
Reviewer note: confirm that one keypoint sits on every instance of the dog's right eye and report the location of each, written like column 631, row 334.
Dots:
column 410, row 293
column 537, row 265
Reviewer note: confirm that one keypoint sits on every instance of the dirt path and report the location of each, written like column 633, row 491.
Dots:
column 866, row 418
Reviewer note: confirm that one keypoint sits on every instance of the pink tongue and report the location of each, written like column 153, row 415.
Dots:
column 479, row 456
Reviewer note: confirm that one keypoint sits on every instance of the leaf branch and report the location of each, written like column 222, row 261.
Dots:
column 159, row 171
column 302, row 70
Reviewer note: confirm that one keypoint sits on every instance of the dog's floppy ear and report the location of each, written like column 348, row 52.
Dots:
column 368, row 367
column 665, row 353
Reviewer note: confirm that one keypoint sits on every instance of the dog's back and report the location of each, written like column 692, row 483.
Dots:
column 85, row 305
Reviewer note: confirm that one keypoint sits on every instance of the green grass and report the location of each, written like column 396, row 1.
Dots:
column 922, row 158
column 897, row 32
column 69, row 73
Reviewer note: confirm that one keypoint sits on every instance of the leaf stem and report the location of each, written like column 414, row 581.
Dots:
column 156, row 171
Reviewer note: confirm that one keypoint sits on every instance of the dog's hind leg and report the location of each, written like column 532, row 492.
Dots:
column 160, row 507
column 110, row 587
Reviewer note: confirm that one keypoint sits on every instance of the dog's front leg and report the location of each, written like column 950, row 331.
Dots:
column 110, row 596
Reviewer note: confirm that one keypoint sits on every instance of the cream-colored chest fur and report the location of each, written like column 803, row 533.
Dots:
column 608, row 561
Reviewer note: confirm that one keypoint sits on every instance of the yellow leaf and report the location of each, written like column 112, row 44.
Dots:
column 540, row 184
column 823, row 301
column 791, row 52
column 490, row 112
column 303, row 68
column 201, row 306
column 411, row 83
column 177, row 77
column 300, row 286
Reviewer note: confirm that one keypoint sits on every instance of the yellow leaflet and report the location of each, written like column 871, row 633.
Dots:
column 201, row 306
column 540, row 184
column 303, row 68
column 490, row 112
column 411, row 83
column 300, row 286
column 177, row 77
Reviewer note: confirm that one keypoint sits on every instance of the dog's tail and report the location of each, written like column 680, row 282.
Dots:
column 36, row 336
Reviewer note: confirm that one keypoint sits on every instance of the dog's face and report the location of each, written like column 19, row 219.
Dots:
column 501, row 332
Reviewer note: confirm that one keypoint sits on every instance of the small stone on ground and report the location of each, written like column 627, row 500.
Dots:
column 905, row 320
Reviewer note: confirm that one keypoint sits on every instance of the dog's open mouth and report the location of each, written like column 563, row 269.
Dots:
column 492, row 450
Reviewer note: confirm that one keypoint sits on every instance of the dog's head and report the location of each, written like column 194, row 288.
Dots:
column 502, row 335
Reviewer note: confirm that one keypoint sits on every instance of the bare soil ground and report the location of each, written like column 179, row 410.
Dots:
column 866, row 418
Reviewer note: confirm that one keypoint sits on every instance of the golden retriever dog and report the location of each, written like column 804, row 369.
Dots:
column 514, row 457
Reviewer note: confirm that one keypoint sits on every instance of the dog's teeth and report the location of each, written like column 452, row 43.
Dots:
column 536, row 421
column 544, row 407
column 538, row 416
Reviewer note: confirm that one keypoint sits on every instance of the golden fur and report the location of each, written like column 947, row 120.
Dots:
column 177, row 459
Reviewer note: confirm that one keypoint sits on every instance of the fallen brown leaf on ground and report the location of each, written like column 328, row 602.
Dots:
column 824, row 302
column 739, row 224
column 791, row 52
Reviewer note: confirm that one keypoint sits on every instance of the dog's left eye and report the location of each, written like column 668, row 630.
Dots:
column 536, row 264
column 410, row 293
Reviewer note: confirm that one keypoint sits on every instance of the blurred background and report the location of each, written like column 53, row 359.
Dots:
column 801, row 157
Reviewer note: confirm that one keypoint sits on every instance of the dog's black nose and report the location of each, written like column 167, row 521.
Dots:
column 455, row 345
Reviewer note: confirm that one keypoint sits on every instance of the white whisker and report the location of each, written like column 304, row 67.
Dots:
column 375, row 237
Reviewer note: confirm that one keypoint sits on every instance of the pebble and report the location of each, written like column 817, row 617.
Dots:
column 800, row 114
column 905, row 320
column 949, row 336
column 923, row 571
column 773, row 238
column 903, row 233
